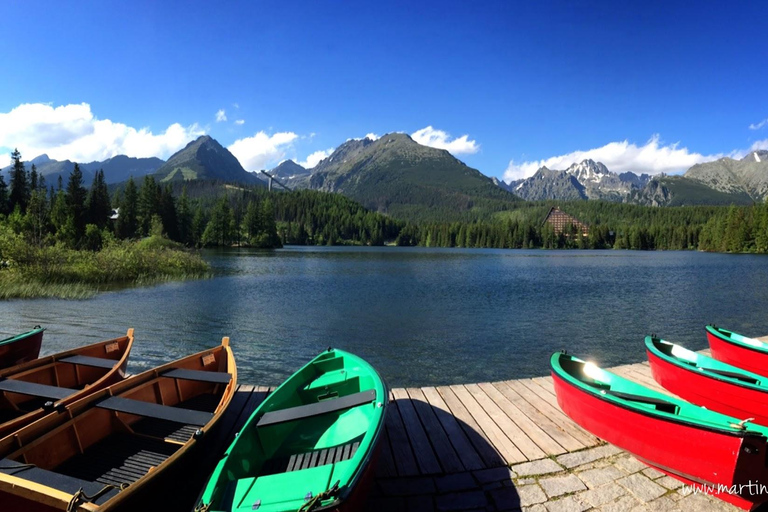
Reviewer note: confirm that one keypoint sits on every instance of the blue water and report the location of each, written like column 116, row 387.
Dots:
column 421, row 316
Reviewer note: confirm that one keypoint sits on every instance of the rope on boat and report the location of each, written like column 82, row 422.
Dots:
column 18, row 466
column 315, row 501
column 742, row 425
column 80, row 497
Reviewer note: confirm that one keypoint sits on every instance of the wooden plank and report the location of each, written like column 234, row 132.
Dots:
column 402, row 453
column 495, row 435
column 534, row 432
column 510, row 429
column 552, row 428
column 447, row 456
column 385, row 466
column 539, row 398
column 546, row 383
column 485, row 449
column 425, row 455
column 458, row 438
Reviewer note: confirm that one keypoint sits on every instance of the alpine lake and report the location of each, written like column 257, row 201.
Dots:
column 421, row 316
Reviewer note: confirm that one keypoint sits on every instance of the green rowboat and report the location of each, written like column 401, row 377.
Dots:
column 309, row 445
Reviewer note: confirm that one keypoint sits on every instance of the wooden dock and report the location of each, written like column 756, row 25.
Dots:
column 495, row 446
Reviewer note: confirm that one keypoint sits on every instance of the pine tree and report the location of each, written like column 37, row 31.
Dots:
column 127, row 221
column 98, row 204
column 185, row 219
column 168, row 213
column 33, row 179
column 3, row 196
column 76, row 197
column 19, row 194
column 37, row 216
column 148, row 205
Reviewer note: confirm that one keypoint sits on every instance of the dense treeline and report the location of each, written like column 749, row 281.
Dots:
column 209, row 213
column 78, row 218
column 611, row 225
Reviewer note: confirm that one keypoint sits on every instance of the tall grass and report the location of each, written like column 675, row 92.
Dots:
column 58, row 271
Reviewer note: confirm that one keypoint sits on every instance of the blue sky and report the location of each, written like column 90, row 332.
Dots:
column 505, row 86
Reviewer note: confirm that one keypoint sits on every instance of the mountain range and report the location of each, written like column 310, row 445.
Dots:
column 396, row 175
column 205, row 159
column 724, row 181
column 116, row 169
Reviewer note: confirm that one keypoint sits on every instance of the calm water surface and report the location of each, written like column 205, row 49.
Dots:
column 421, row 316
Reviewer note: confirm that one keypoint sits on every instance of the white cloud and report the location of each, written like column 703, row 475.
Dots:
column 760, row 144
column 653, row 157
column 221, row 115
column 240, row 122
column 256, row 152
column 314, row 159
column 73, row 132
column 757, row 126
column 372, row 136
column 439, row 139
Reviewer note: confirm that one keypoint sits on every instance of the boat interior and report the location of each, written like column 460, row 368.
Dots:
column 606, row 383
column 308, row 438
column 30, row 386
column 704, row 363
column 119, row 434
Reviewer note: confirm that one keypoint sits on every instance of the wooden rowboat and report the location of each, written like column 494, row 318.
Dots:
column 695, row 445
column 31, row 390
column 309, row 445
column 708, row 382
column 737, row 350
column 101, row 451
column 21, row 348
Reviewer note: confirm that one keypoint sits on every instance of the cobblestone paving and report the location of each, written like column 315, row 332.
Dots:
column 602, row 479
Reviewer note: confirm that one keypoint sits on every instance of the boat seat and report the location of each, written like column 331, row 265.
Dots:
column 659, row 403
column 733, row 375
column 54, row 480
column 310, row 459
column 317, row 409
column 34, row 389
column 97, row 362
column 157, row 411
column 199, row 375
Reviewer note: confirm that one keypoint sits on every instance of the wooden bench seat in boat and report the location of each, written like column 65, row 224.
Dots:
column 312, row 459
column 119, row 459
column 157, row 411
column 171, row 431
column 54, row 480
column 34, row 389
column 199, row 375
column 316, row 409
column 96, row 362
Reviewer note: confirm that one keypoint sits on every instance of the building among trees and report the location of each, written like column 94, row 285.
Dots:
column 561, row 222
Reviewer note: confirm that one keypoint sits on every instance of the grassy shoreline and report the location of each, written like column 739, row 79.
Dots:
column 59, row 272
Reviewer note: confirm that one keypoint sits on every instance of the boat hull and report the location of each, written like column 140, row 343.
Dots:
column 48, row 370
column 22, row 349
column 143, row 460
column 315, row 437
column 727, row 460
column 736, row 354
column 703, row 389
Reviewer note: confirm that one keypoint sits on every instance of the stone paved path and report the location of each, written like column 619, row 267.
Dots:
column 596, row 479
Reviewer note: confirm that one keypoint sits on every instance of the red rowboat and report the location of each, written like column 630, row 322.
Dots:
column 707, row 382
column 21, row 348
column 683, row 440
column 737, row 350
